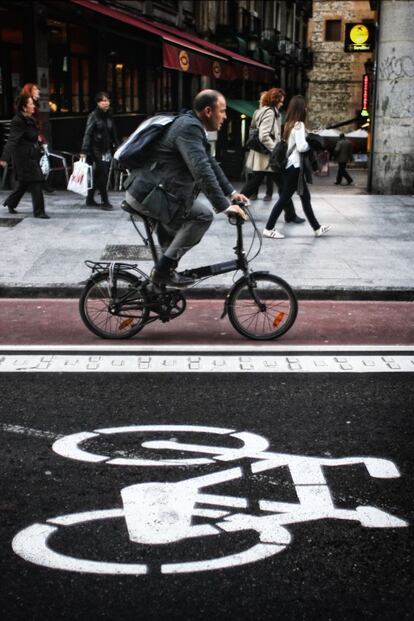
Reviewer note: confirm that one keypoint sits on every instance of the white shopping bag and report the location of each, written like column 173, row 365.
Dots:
column 80, row 180
column 44, row 161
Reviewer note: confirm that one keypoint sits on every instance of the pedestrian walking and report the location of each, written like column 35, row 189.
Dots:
column 343, row 152
column 269, row 188
column 267, row 119
column 32, row 90
column 298, row 170
column 99, row 143
column 23, row 149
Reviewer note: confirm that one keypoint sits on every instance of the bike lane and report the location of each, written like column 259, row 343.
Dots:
column 253, row 491
column 57, row 322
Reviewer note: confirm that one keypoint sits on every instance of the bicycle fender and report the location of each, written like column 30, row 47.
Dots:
column 241, row 279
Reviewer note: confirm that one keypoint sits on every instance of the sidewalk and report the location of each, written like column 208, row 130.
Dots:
column 369, row 253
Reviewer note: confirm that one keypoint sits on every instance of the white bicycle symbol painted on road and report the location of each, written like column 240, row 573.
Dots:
column 161, row 513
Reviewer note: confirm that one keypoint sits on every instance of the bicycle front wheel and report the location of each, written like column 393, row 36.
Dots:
column 262, row 307
column 113, row 309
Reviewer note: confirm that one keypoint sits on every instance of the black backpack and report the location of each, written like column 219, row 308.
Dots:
column 279, row 156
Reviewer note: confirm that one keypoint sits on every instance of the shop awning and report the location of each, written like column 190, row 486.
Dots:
column 242, row 106
column 242, row 67
column 177, row 54
column 186, row 52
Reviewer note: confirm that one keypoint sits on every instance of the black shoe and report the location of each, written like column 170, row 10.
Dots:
column 253, row 197
column 350, row 183
column 336, row 183
column 267, row 198
column 91, row 203
column 107, row 206
column 11, row 209
column 48, row 190
column 296, row 220
column 171, row 279
column 44, row 216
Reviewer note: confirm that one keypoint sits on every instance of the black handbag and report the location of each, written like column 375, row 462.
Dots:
column 253, row 142
column 315, row 141
column 162, row 205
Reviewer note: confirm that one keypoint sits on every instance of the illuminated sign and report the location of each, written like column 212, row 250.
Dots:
column 365, row 95
column 359, row 37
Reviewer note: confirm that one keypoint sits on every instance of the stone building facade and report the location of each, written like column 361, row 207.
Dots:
column 393, row 132
column 335, row 81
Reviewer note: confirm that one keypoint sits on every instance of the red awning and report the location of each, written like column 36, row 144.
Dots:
column 217, row 49
column 186, row 52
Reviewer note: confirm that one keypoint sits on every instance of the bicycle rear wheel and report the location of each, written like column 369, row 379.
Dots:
column 262, row 309
column 113, row 311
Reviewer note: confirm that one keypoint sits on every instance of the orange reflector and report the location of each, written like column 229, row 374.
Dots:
column 279, row 317
column 124, row 324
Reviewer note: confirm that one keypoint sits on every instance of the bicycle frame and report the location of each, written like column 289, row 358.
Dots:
column 197, row 273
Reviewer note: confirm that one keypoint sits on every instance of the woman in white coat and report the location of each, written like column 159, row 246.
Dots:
column 267, row 120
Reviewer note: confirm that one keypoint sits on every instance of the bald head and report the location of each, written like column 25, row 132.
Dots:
column 210, row 107
column 207, row 97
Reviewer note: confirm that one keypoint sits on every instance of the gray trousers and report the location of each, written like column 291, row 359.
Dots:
column 181, row 234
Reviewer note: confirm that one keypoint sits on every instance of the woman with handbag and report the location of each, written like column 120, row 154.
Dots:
column 267, row 123
column 23, row 149
column 297, row 171
column 33, row 91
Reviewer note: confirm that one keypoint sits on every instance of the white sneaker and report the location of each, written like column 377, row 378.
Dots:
column 322, row 230
column 272, row 233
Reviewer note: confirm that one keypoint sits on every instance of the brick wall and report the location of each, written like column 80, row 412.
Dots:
column 335, row 82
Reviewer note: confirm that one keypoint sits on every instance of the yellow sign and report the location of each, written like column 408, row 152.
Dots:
column 359, row 34
column 360, row 37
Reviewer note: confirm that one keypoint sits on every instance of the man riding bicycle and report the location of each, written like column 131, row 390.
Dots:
column 178, row 167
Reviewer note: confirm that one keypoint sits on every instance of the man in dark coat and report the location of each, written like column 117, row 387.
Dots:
column 343, row 152
column 99, row 143
column 178, row 167
column 23, row 149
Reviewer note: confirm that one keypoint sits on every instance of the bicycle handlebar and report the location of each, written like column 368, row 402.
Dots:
column 234, row 218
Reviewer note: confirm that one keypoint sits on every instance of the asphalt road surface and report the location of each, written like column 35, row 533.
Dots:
column 280, row 494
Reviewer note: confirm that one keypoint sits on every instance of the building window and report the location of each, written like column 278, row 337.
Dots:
column 69, row 72
column 164, row 91
column 122, row 85
column 333, row 30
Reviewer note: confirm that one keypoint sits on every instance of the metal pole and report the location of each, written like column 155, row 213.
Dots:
column 374, row 106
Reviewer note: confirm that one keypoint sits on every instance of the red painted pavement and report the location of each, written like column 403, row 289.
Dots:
column 57, row 322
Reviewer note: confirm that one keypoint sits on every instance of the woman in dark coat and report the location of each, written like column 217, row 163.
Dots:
column 99, row 142
column 24, row 151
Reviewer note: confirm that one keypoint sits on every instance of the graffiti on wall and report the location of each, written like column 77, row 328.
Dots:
column 394, row 69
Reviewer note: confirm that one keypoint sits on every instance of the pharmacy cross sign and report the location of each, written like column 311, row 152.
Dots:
column 164, row 514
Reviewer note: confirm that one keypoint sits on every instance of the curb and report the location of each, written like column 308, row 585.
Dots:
column 334, row 293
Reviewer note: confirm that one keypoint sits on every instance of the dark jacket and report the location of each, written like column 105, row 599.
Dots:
column 343, row 151
column 181, row 161
column 309, row 161
column 23, row 149
column 100, row 135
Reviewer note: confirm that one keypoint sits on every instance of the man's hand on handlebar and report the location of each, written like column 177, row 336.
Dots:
column 238, row 201
column 239, row 198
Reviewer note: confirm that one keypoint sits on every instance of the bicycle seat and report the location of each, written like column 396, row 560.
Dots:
column 130, row 209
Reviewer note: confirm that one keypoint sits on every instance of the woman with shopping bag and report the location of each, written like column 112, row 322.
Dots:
column 99, row 142
column 23, row 149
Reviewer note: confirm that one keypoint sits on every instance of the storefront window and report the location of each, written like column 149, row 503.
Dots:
column 165, row 96
column 11, row 62
column 122, row 84
column 69, row 68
